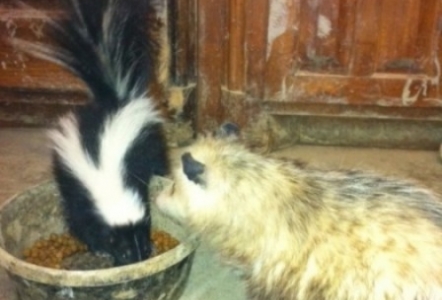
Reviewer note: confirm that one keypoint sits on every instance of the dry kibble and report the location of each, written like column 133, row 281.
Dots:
column 52, row 251
column 163, row 241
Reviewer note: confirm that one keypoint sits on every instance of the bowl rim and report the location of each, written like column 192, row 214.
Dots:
column 91, row 278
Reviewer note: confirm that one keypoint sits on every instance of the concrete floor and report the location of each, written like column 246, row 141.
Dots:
column 24, row 162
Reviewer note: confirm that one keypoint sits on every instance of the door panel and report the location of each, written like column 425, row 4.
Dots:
column 364, row 58
column 366, row 52
column 343, row 58
column 34, row 92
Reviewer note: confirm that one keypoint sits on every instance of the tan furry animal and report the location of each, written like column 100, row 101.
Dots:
column 307, row 234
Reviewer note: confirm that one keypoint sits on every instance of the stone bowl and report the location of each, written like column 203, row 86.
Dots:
column 36, row 214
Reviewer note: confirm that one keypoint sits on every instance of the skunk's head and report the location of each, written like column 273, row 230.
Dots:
column 126, row 226
column 208, row 177
column 128, row 244
column 126, row 223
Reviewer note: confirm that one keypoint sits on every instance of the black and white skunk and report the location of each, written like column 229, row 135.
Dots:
column 106, row 152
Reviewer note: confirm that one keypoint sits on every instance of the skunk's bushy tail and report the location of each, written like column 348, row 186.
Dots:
column 106, row 43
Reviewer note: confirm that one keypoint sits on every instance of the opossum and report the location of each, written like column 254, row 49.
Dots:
column 298, row 232
column 105, row 153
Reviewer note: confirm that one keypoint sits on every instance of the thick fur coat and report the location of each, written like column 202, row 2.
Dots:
column 308, row 234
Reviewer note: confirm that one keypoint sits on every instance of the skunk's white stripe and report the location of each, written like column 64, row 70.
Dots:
column 115, row 202
column 80, row 17
column 112, row 33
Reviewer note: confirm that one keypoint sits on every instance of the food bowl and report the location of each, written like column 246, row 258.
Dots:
column 36, row 214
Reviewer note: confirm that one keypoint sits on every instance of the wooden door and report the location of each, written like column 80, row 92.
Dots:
column 364, row 58
column 34, row 92
column 343, row 58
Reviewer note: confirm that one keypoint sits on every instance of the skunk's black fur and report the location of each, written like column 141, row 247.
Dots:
column 107, row 44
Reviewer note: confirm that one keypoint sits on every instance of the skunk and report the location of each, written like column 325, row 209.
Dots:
column 297, row 232
column 105, row 153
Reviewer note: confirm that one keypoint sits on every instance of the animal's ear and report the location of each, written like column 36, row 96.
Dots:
column 193, row 169
column 228, row 130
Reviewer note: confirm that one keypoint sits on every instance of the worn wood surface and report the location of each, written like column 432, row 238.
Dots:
column 34, row 92
column 182, row 29
column 20, row 70
column 212, row 60
column 374, row 58
column 252, row 56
